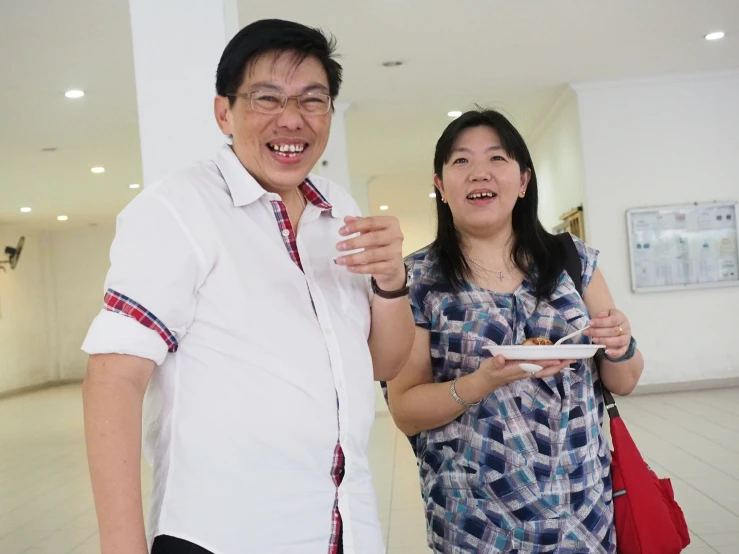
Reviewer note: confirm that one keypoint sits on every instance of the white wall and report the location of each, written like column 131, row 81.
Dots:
column 419, row 230
column 26, row 329
column 48, row 302
column 659, row 142
column 80, row 261
column 556, row 148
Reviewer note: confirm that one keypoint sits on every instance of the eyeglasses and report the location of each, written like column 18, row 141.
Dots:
column 271, row 103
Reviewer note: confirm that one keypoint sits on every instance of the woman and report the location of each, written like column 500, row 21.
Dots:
column 509, row 462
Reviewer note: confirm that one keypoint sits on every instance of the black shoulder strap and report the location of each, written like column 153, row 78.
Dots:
column 573, row 266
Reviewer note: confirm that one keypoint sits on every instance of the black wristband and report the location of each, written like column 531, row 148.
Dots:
column 390, row 295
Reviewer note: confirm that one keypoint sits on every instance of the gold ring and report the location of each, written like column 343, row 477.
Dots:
column 620, row 330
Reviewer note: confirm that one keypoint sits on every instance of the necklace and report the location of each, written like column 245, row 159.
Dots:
column 303, row 200
column 498, row 273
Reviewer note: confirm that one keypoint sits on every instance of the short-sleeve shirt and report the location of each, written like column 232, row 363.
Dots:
column 253, row 350
column 529, row 467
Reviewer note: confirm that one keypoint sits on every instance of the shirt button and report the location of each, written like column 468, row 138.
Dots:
column 328, row 331
column 340, row 384
column 285, row 233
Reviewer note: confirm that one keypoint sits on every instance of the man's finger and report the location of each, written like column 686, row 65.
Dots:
column 365, row 224
column 370, row 256
column 377, row 269
column 367, row 240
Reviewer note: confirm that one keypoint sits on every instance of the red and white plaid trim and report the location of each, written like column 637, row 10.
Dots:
column 337, row 472
column 312, row 195
column 286, row 228
column 119, row 303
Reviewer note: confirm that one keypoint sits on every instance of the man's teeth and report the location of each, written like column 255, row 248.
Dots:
column 289, row 150
column 479, row 195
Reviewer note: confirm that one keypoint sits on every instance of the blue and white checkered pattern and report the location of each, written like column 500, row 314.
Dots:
column 528, row 470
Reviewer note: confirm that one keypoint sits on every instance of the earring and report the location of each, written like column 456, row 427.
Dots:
column 523, row 193
column 443, row 199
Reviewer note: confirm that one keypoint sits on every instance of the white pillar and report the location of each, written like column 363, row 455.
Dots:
column 176, row 50
column 334, row 164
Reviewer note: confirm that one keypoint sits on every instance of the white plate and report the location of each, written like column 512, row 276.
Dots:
column 561, row 352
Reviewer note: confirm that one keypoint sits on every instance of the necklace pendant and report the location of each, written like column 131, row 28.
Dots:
column 500, row 276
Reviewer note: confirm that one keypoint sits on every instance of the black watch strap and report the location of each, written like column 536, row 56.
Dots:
column 390, row 295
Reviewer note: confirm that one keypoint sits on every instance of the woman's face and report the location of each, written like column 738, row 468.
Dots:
column 480, row 182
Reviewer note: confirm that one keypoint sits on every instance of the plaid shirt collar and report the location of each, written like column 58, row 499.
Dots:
column 245, row 190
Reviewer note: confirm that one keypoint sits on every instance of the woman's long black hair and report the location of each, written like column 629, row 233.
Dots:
column 537, row 253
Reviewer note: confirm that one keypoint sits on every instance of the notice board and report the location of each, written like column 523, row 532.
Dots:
column 683, row 247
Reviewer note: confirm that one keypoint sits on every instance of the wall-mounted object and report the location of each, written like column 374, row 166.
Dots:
column 13, row 253
column 572, row 222
column 683, row 247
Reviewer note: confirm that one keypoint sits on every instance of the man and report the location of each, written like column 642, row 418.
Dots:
column 227, row 298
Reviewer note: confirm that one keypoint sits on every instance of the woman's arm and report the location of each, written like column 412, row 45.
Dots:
column 418, row 404
column 611, row 327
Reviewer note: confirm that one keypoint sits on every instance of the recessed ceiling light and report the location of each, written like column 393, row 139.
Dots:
column 454, row 113
column 392, row 63
column 98, row 170
column 74, row 93
column 49, row 149
column 715, row 35
column 432, row 195
column 62, row 218
column 383, row 208
column 134, row 186
column 25, row 210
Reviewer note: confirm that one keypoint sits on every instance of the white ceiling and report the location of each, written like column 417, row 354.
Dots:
column 47, row 48
column 516, row 56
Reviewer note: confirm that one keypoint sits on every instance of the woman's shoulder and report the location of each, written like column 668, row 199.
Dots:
column 583, row 248
column 422, row 271
column 421, row 263
column 588, row 259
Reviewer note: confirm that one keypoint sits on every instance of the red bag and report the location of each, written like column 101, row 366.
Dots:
column 647, row 519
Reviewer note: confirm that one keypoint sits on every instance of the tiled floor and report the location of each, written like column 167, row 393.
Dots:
column 46, row 503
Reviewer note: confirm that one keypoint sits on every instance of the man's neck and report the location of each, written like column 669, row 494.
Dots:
column 295, row 203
